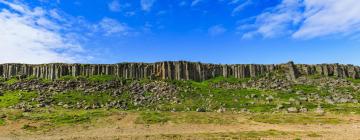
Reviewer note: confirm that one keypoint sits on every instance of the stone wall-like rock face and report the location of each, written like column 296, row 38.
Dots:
column 175, row 70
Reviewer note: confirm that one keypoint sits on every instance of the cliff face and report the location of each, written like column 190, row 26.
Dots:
column 179, row 70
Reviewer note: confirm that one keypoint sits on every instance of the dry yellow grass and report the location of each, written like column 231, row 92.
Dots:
column 120, row 126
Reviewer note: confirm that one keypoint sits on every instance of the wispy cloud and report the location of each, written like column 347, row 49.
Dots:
column 240, row 6
column 182, row 3
column 276, row 21
column 114, row 6
column 329, row 17
column 110, row 27
column 195, row 2
column 306, row 19
column 34, row 35
column 216, row 30
column 146, row 5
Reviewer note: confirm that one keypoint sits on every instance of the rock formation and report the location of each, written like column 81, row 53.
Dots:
column 176, row 70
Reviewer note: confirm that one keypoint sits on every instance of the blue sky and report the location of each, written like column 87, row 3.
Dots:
column 211, row 31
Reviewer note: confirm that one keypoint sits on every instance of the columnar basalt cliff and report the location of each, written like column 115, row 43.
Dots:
column 177, row 70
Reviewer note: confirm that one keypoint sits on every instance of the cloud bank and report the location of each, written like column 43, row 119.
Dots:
column 307, row 19
column 34, row 36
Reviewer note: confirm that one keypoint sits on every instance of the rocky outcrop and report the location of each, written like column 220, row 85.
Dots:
column 176, row 70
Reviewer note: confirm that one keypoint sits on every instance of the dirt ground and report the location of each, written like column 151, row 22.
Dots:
column 123, row 127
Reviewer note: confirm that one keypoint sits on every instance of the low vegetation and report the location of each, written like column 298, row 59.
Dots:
column 48, row 119
column 152, row 118
column 11, row 98
column 307, row 118
column 2, row 121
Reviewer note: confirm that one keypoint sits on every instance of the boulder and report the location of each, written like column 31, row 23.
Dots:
column 221, row 110
column 292, row 110
column 319, row 111
column 303, row 110
column 200, row 109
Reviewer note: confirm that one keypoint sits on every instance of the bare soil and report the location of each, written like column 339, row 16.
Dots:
column 124, row 127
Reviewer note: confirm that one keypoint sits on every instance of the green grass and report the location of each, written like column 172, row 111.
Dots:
column 67, row 78
column 2, row 122
column 31, row 78
column 11, row 98
column 101, row 78
column 293, row 119
column 57, row 116
column 2, row 79
column 231, row 80
column 13, row 115
column 94, row 98
column 202, row 118
column 314, row 135
column 152, row 118
column 306, row 88
column 73, row 97
column 93, row 78
column 65, row 116
column 12, row 81
column 344, row 108
column 185, row 118
column 29, row 127
column 315, row 76
column 356, row 81
column 204, row 95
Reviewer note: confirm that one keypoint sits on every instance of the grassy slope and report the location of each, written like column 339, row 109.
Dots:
column 203, row 95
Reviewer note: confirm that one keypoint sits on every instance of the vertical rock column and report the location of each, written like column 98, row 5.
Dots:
column 292, row 73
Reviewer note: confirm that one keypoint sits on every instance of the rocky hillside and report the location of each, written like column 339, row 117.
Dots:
column 270, row 92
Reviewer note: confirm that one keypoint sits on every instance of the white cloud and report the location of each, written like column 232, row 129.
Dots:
column 216, row 30
column 240, row 6
column 146, row 5
column 329, row 17
column 32, row 36
column 111, row 26
column 114, row 6
column 276, row 21
column 306, row 19
column 195, row 2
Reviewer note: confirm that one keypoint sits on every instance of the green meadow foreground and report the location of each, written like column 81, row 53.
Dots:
column 105, row 107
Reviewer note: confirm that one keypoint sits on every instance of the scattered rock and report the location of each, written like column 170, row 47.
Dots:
column 329, row 101
column 292, row 110
column 269, row 98
column 66, row 106
column 279, row 106
column 292, row 100
column 303, row 110
column 299, row 92
column 200, row 109
column 244, row 110
column 221, row 110
column 319, row 111
column 40, row 105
